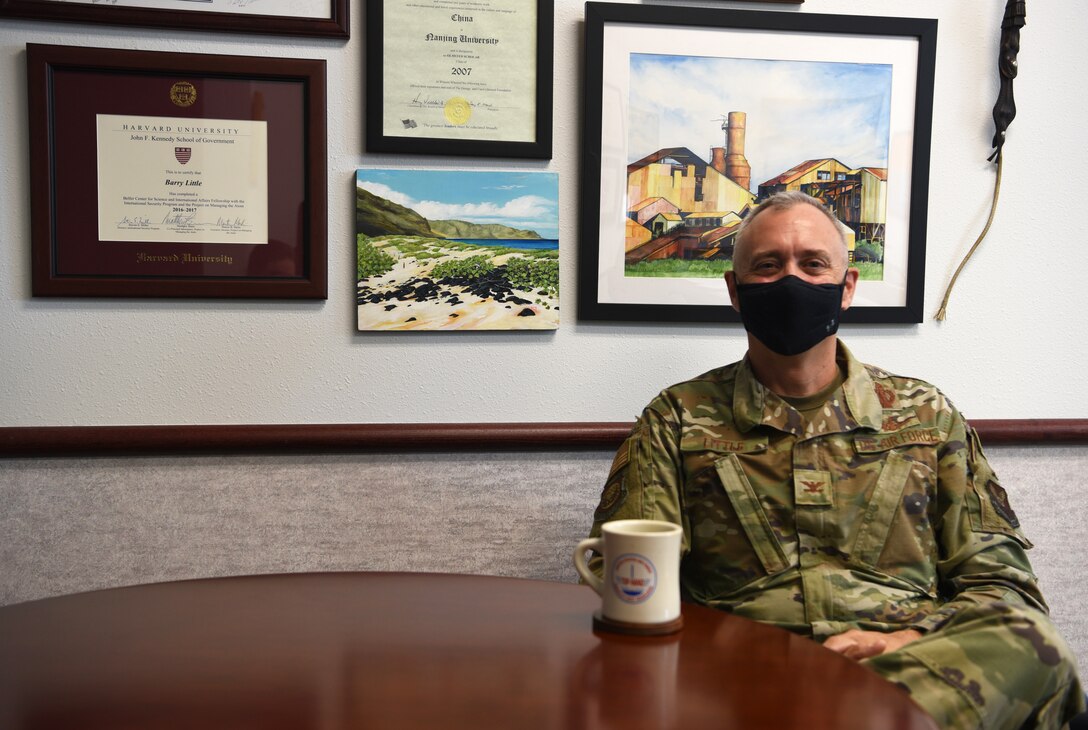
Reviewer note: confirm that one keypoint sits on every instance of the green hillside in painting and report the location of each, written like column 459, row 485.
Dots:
column 464, row 229
column 376, row 216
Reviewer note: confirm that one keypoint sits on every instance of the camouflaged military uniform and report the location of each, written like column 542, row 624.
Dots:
column 878, row 512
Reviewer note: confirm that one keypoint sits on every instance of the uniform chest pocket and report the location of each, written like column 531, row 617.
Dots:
column 751, row 515
column 895, row 534
column 877, row 520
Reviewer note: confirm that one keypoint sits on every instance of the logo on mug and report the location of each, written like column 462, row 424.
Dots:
column 634, row 578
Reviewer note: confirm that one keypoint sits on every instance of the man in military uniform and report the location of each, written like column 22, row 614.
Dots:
column 839, row 501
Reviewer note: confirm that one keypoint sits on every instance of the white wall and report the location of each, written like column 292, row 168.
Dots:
column 1013, row 346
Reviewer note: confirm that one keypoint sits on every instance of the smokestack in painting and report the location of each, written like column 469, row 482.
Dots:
column 736, row 164
column 717, row 159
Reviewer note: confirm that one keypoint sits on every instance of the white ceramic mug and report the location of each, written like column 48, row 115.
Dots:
column 641, row 583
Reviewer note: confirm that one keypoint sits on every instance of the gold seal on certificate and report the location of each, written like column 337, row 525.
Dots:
column 183, row 94
column 458, row 111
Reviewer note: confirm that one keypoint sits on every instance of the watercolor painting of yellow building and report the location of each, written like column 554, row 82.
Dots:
column 711, row 137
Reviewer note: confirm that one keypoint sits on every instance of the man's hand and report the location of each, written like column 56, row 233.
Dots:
column 857, row 644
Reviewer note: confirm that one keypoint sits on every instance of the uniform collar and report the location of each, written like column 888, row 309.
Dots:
column 754, row 404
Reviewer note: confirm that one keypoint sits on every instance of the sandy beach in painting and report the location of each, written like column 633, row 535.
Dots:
column 408, row 297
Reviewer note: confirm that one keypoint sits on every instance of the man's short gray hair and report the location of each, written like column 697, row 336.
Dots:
column 785, row 200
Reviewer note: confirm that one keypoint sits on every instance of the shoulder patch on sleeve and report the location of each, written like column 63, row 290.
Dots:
column 619, row 461
column 615, row 489
column 612, row 498
column 999, row 500
column 993, row 508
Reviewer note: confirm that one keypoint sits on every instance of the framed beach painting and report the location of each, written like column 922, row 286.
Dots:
column 693, row 116
column 457, row 250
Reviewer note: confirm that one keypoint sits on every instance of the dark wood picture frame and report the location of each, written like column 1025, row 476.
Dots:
column 651, row 19
column 539, row 147
column 78, row 84
column 337, row 25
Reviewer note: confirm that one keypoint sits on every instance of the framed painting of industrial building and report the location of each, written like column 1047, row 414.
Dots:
column 694, row 116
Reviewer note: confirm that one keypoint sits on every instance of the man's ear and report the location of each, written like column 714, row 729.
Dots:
column 849, row 286
column 731, row 284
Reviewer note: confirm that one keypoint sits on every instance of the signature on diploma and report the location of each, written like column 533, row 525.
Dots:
column 137, row 222
column 426, row 101
column 179, row 219
column 232, row 224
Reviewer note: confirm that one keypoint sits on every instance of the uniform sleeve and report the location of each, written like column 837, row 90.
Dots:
column 982, row 552
column 645, row 480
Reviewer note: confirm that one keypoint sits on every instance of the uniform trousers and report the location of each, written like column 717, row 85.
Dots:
column 991, row 666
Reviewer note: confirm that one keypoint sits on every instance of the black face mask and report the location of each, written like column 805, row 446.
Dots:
column 790, row 315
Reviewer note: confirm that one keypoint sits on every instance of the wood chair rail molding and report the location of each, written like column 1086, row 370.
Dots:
column 24, row 441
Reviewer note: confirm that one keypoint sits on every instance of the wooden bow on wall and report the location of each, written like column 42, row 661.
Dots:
column 1004, row 111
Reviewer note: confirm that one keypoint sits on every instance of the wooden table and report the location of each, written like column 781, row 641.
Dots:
column 406, row 650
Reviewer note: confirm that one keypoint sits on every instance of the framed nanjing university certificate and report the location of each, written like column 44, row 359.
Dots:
column 176, row 175
column 460, row 77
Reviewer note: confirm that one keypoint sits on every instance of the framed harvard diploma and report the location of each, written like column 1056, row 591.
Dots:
column 176, row 175
column 460, row 77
